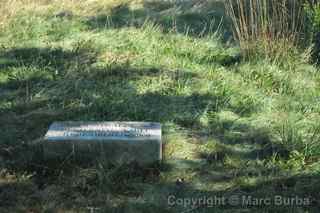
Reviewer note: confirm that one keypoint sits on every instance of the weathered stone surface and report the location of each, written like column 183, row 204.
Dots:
column 117, row 142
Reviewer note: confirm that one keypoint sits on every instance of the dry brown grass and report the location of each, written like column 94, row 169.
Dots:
column 10, row 8
column 267, row 27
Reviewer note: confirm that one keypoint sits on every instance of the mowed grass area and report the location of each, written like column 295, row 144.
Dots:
column 230, row 126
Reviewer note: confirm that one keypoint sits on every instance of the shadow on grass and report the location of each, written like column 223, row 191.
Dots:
column 195, row 18
column 53, row 58
column 83, row 92
column 294, row 194
column 12, row 193
column 34, row 95
column 104, row 93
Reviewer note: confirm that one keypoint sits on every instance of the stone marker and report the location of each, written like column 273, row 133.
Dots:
column 117, row 142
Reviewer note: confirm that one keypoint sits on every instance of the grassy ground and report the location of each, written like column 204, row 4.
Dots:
column 231, row 127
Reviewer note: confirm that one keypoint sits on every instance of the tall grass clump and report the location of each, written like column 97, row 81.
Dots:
column 313, row 14
column 267, row 28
